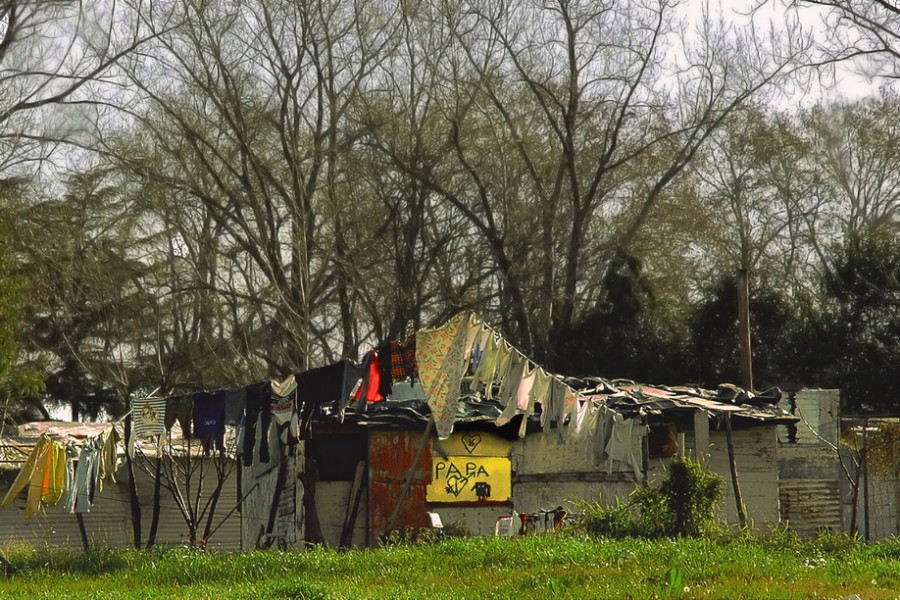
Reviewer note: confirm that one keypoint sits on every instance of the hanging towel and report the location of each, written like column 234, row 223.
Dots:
column 484, row 372
column 620, row 447
column 441, row 356
column 33, row 475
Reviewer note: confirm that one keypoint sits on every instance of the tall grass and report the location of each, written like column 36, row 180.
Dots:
column 779, row 565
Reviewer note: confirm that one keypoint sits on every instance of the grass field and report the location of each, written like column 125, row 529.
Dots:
column 530, row 567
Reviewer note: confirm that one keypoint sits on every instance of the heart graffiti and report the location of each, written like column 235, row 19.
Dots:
column 470, row 441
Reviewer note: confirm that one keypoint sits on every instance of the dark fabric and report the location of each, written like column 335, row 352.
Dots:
column 403, row 360
column 234, row 405
column 323, row 386
column 209, row 419
column 256, row 412
column 385, row 368
column 179, row 408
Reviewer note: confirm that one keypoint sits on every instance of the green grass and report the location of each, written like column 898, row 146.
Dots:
column 780, row 566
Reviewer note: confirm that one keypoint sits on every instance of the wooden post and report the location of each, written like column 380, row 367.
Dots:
column 738, row 497
column 865, row 472
column 132, row 488
column 701, row 436
column 83, row 531
column 409, row 475
column 746, row 357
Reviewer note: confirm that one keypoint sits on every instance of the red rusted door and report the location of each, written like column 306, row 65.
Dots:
column 391, row 454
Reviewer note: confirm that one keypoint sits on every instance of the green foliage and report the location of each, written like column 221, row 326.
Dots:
column 14, row 380
column 602, row 520
column 691, row 493
column 713, row 336
column 674, row 582
column 526, row 567
column 860, row 334
column 682, row 505
column 409, row 535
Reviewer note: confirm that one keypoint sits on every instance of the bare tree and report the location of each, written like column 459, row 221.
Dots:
column 53, row 53
column 565, row 122
column 758, row 184
column 864, row 31
column 856, row 145
column 240, row 113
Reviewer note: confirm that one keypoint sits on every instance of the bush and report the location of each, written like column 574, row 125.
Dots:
column 600, row 520
column 691, row 493
column 682, row 506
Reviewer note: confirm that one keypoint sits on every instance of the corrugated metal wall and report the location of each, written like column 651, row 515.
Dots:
column 809, row 505
column 391, row 454
column 109, row 522
column 757, row 468
column 173, row 530
column 809, row 470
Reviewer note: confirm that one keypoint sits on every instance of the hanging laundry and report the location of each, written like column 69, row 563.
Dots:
column 97, row 464
column 86, row 476
column 580, row 430
column 385, row 369
column 484, row 372
column 602, row 432
column 474, row 327
column 536, row 394
column 54, row 481
column 620, row 445
column 566, row 424
column 523, row 392
column 283, row 405
column 332, row 385
column 68, row 500
column 509, row 387
column 43, row 474
column 517, row 367
column 540, row 388
column 147, row 420
column 371, row 381
column 403, row 360
column 504, row 356
column 552, row 408
column 441, row 356
column 234, row 405
column 108, row 456
column 257, row 419
column 209, row 419
column 180, row 409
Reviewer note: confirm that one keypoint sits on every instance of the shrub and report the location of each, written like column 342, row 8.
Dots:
column 600, row 520
column 691, row 493
column 681, row 506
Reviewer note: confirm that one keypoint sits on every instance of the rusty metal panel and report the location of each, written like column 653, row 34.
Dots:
column 808, row 505
column 391, row 454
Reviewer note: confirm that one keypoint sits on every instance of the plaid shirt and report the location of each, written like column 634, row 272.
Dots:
column 403, row 360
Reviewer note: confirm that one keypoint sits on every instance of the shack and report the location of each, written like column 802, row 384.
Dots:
column 453, row 423
column 482, row 473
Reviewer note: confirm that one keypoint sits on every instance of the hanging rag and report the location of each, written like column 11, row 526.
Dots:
column 441, row 356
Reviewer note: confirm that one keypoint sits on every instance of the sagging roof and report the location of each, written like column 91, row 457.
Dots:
column 633, row 399
column 627, row 397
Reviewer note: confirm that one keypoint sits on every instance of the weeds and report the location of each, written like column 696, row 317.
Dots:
column 775, row 565
column 682, row 506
